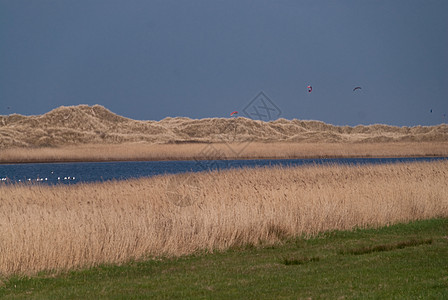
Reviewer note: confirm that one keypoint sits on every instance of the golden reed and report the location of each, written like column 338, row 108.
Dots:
column 243, row 150
column 67, row 227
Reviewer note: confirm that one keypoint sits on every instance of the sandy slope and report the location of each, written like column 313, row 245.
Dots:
column 84, row 124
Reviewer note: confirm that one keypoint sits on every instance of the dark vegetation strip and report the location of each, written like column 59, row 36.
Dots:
column 299, row 261
column 386, row 247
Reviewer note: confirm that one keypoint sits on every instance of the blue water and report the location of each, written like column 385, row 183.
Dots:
column 69, row 173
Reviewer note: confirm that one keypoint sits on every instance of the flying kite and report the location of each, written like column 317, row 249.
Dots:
column 357, row 88
column 310, row 88
column 234, row 113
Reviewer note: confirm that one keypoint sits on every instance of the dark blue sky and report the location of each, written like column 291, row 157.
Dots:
column 149, row 60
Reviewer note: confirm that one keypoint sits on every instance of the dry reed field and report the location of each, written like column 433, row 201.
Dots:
column 66, row 227
column 255, row 150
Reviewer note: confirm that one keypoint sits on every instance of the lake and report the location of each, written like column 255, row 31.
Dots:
column 69, row 173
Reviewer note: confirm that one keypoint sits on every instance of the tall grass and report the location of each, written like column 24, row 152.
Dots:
column 67, row 227
column 139, row 151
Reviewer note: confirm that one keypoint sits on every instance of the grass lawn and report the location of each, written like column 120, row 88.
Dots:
column 401, row 261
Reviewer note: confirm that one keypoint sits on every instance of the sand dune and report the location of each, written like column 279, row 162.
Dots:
column 84, row 124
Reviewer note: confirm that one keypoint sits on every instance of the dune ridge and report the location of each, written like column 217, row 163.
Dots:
column 83, row 124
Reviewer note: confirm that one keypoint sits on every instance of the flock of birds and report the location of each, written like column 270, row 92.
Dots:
column 310, row 89
column 38, row 179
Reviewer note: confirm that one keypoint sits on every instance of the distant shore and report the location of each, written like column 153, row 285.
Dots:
column 219, row 151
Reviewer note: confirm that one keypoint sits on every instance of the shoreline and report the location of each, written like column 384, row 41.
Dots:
column 205, row 159
column 219, row 151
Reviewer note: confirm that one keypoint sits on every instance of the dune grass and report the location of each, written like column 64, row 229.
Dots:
column 246, row 150
column 83, row 125
column 321, row 267
column 84, row 225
